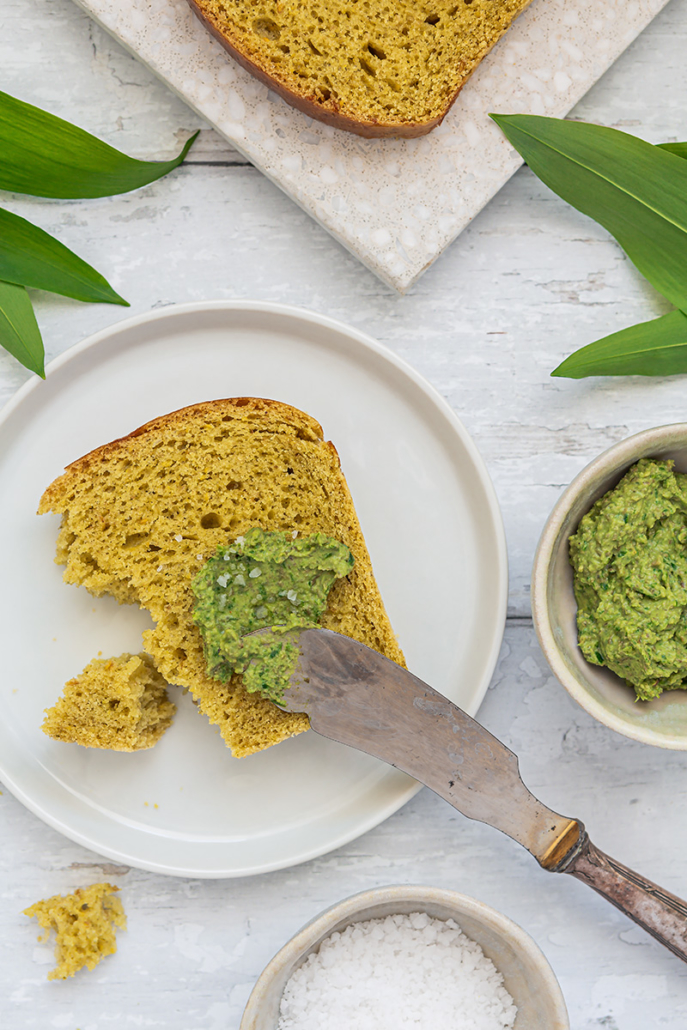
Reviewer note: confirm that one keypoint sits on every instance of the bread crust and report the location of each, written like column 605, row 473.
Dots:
column 235, row 405
column 315, row 108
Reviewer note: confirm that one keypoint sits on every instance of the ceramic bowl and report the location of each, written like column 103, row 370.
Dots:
column 528, row 976
column 663, row 721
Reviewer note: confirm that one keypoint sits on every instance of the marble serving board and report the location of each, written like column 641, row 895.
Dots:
column 395, row 204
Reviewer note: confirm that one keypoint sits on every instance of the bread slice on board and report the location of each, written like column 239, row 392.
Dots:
column 141, row 515
column 373, row 67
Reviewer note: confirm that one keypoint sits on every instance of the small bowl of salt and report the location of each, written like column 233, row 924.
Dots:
column 398, row 958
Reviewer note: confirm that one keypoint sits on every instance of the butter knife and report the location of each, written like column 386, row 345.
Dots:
column 354, row 695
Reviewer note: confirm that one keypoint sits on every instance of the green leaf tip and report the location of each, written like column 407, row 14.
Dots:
column 29, row 256
column 19, row 332
column 656, row 347
column 46, row 156
column 187, row 146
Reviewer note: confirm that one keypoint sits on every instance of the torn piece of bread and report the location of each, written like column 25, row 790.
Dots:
column 142, row 514
column 374, row 68
column 117, row 703
column 84, row 925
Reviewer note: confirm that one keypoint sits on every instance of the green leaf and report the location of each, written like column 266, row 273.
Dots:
column 637, row 191
column 679, row 149
column 31, row 257
column 655, row 348
column 48, row 157
column 19, row 332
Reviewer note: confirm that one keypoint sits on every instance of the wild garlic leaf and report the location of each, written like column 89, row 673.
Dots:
column 655, row 348
column 19, row 332
column 637, row 191
column 679, row 149
column 31, row 257
column 46, row 156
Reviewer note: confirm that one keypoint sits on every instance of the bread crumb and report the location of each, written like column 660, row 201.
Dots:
column 84, row 925
column 116, row 703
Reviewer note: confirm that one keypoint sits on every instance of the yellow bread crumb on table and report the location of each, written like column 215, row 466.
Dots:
column 141, row 515
column 84, row 925
column 117, row 703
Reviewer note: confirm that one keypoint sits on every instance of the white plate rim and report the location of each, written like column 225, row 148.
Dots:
column 290, row 312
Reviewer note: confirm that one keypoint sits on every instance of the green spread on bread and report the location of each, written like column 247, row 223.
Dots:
column 264, row 580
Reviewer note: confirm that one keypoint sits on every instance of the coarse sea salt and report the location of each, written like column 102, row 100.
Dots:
column 398, row 973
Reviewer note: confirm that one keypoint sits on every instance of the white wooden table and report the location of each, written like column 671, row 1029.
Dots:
column 526, row 284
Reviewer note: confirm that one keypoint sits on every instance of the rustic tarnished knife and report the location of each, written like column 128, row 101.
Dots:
column 356, row 696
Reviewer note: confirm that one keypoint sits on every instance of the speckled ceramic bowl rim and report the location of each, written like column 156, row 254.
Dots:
column 357, row 904
column 588, row 480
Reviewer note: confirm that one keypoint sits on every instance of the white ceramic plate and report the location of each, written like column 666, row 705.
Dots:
column 434, row 531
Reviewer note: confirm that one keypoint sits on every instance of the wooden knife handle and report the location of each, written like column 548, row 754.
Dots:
column 662, row 914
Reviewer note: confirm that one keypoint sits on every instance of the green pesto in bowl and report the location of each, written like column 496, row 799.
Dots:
column 629, row 557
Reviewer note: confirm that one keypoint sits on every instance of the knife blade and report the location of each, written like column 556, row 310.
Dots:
column 354, row 695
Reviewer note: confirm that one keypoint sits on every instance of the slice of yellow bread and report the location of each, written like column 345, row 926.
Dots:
column 369, row 66
column 116, row 703
column 84, row 925
column 142, row 514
